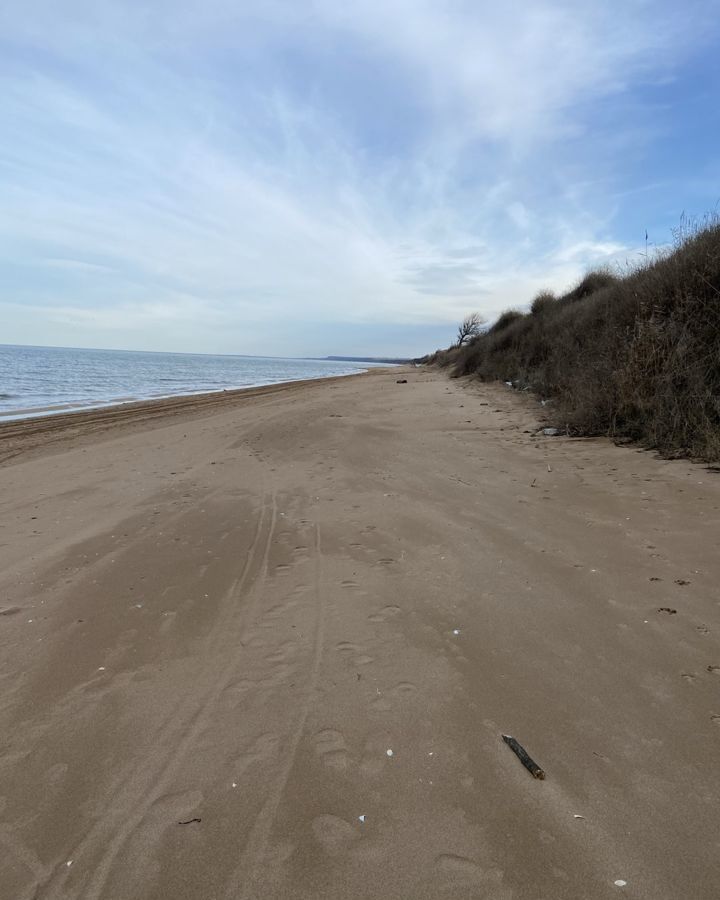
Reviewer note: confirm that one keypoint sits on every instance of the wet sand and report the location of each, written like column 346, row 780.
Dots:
column 266, row 645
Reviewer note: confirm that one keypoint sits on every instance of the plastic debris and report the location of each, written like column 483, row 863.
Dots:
column 551, row 432
column 620, row 883
column 69, row 863
column 361, row 818
column 389, row 753
column 456, row 631
column 576, row 816
column 101, row 668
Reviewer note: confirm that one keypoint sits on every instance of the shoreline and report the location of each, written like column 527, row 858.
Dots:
column 267, row 644
column 21, row 434
column 23, row 414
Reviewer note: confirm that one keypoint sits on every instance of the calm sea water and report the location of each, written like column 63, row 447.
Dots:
column 44, row 380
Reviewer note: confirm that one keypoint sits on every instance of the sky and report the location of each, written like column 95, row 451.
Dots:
column 307, row 178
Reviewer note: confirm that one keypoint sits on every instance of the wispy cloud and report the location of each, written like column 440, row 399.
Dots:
column 258, row 171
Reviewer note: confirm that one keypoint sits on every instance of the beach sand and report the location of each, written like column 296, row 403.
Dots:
column 265, row 645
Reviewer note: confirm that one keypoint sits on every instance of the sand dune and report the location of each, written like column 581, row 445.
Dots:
column 265, row 646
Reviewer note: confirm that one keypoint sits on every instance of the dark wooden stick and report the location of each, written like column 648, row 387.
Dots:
column 530, row 764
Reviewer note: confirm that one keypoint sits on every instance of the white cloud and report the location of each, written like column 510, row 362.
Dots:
column 219, row 160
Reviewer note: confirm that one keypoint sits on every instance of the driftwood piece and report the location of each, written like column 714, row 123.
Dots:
column 530, row 764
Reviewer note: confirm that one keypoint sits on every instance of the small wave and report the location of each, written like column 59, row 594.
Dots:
column 4, row 396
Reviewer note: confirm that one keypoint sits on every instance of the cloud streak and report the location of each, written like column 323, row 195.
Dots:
column 259, row 172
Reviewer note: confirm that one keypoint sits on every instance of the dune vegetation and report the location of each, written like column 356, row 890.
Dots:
column 633, row 355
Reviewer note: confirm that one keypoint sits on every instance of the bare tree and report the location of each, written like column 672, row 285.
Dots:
column 469, row 328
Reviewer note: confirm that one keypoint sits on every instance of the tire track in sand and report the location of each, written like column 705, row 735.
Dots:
column 242, row 879
column 140, row 792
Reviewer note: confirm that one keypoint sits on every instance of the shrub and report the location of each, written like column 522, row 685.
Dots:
column 637, row 355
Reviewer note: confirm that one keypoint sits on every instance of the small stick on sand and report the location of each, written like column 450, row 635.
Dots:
column 530, row 764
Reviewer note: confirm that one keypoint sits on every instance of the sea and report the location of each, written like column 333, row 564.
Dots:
column 41, row 381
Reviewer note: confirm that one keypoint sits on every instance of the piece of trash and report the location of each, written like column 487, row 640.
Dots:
column 190, row 821
column 551, row 432
column 456, row 631
column 519, row 751
column 576, row 816
column 361, row 818
column 389, row 752
column 681, row 581
column 431, row 753
column 101, row 668
column 69, row 863
column 401, row 381
column 234, row 784
column 668, row 610
column 620, row 882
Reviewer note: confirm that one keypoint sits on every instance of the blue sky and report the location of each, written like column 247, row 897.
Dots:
column 317, row 177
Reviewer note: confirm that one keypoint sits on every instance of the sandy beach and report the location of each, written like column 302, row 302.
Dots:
column 265, row 645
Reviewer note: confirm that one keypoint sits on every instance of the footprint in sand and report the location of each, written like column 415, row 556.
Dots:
column 355, row 652
column 375, row 757
column 403, row 689
column 331, row 748
column 284, row 652
column 458, row 871
column 387, row 612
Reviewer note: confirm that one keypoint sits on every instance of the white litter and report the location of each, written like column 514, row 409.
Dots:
column 101, row 668
column 361, row 818
column 456, row 631
column 234, row 784
column 620, row 883
column 576, row 816
column 389, row 752
column 69, row 863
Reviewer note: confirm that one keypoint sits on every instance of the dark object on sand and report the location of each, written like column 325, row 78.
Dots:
column 668, row 610
column 190, row 821
column 530, row 764
column 401, row 381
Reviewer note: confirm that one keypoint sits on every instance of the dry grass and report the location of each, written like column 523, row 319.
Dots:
column 635, row 356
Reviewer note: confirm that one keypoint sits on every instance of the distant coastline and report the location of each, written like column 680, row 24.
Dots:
column 378, row 360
